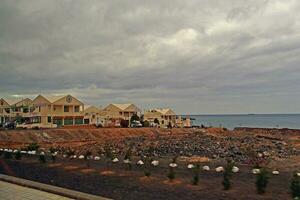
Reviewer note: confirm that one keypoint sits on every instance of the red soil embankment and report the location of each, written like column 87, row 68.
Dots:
column 77, row 137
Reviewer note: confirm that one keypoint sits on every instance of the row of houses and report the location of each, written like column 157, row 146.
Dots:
column 56, row 111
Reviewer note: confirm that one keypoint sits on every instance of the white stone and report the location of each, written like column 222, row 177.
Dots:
column 126, row 161
column 235, row 169
column 115, row 160
column 42, row 153
column 140, row 162
column 81, row 157
column 173, row 165
column 23, row 151
column 64, row 155
column 15, row 151
column 298, row 174
column 275, row 172
column 155, row 162
column 90, row 157
column 206, row 168
column 96, row 158
column 259, row 155
column 220, row 169
column 1, row 149
column 190, row 166
column 32, row 152
column 255, row 171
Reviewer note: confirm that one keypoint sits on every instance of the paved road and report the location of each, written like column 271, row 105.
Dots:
column 10, row 191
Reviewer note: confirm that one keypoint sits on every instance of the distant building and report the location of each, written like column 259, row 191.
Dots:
column 58, row 110
column 14, row 109
column 164, row 117
column 114, row 113
column 93, row 115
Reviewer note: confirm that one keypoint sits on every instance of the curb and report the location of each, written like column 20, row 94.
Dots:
column 51, row 189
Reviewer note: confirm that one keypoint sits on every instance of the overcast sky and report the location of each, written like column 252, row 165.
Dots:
column 195, row 56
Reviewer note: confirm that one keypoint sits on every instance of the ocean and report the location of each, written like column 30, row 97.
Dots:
column 291, row 121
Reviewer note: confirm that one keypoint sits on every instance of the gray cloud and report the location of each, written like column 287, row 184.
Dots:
column 205, row 56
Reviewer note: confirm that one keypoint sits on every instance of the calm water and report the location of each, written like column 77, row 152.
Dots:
column 260, row 120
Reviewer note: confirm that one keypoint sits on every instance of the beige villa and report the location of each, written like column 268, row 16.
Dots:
column 164, row 117
column 11, row 109
column 114, row 113
column 93, row 115
column 57, row 110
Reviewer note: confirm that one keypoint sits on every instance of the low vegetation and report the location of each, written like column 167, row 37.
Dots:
column 262, row 180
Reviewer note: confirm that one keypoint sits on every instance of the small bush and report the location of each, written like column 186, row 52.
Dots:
column 196, row 170
column 33, row 147
column 172, row 174
column 87, row 156
column 70, row 153
column 295, row 186
column 128, row 157
column 42, row 158
column 146, row 124
column 53, row 154
column 53, row 157
column 227, row 175
column 262, row 180
column 108, row 155
column 18, row 155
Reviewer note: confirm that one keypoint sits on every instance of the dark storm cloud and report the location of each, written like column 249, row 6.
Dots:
column 206, row 56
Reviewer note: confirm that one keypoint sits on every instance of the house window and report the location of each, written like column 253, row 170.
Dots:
column 76, row 109
column 25, row 110
column 66, row 108
column 86, row 121
column 49, row 120
column 162, row 122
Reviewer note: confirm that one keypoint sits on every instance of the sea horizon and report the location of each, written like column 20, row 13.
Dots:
column 231, row 121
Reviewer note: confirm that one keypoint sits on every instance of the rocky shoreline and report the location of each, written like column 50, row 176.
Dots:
column 214, row 143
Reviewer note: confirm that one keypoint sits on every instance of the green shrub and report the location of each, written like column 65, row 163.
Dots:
column 172, row 166
column 53, row 154
column 262, row 180
column 87, row 156
column 146, row 124
column 42, row 158
column 196, row 170
column 33, row 147
column 227, row 175
column 18, row 155
column 70, row 153
column 128, row 158
column 295, row 186
column 171, row 174
column 108, row 155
